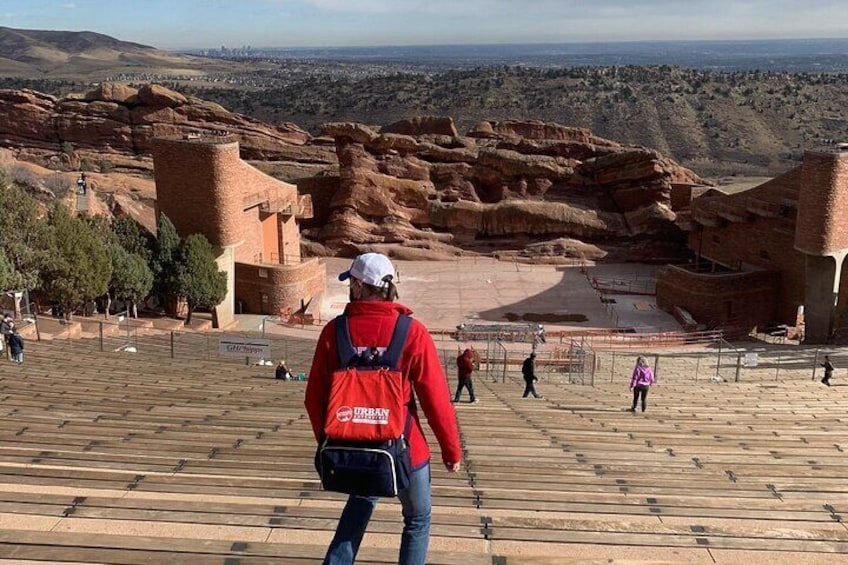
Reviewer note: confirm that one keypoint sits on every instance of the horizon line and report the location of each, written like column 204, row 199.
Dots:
column 514, row 44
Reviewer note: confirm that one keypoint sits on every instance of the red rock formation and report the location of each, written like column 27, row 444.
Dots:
column 415, row 183
column 423, row 125
column 119, row 119
column 511, row 182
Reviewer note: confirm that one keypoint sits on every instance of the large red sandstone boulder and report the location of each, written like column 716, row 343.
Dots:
column 358, row 133
column 27, row 119
column 113, row 92
column 158, row 96
column 423, row 125
column 293, row 133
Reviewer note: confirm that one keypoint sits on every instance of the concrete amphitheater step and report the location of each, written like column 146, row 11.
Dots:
column 119, row 458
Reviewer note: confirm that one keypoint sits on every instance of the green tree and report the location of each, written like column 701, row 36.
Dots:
column 131, row 279
column 7, row 272
column 202, row 283
column 165, row 263
column 80, row 267
column 25, row 236
column 131, row 237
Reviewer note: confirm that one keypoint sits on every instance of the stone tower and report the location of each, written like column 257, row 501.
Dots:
column 822, row 236
column 204, row 187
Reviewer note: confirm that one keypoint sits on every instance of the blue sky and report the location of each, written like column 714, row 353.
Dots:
column 173, row 24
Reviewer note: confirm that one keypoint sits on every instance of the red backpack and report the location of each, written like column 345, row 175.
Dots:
column 365, row 450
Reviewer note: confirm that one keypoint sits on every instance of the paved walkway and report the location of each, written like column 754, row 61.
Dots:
column 444, row 294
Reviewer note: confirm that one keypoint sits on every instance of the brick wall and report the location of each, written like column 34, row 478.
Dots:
column 681, row 196
column 760, row 242
column 284, row 286
column 289, row 240
column 823, row 203
column 748, row 299
column 763, row 243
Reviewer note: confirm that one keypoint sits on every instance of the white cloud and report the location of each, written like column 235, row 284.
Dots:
column 68, row 6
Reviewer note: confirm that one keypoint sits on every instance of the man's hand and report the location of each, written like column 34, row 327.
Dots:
column 453, row 467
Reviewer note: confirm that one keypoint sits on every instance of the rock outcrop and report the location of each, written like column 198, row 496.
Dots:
column 540, row 187
column 115, row 119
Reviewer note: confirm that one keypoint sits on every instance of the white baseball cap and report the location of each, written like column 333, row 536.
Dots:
column 370, row 268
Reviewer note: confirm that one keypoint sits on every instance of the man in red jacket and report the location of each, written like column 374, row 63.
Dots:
column 372, row 314
column 465, row 367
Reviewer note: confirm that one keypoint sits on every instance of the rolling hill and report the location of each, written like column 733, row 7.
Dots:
column 91, row 56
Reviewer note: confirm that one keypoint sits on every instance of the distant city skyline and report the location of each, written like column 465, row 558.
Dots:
column 196, row 24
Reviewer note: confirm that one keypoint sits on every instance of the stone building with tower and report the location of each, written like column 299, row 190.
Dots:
column 252, row 220
column 773, row 254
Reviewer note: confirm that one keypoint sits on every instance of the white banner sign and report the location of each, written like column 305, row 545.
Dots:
column 244, row 347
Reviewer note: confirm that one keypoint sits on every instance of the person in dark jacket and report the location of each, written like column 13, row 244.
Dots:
column 828, row 370
column 528, row 370
column 16, row 346
column 465, row 367
column 282, row 372
column 372, row 315
column 6, row 326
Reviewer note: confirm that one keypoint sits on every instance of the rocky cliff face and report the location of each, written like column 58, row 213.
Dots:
column 526, row 186
column 117, row 121
column 416, row 188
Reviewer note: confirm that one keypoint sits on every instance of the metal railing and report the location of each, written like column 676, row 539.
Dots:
column 571, row 361
column 624, row 286
column 276, row 259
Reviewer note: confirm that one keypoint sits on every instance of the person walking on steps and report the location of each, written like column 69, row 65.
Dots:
column 828, row 370
column 16, row 346
column 465, row 367
column 643, row 378
column 528, row 371
column 7, row 327
column 82, row 184
column 371, row 318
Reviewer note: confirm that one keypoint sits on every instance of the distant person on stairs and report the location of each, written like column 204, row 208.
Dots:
column 82, row 184
column 643, row 378
column 828, row 370
column 465, row 367
column 6, row 327
column 16, row 346
column 282, row 372
column 528, row 371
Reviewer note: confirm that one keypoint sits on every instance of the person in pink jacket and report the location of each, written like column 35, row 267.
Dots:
column 643, row 378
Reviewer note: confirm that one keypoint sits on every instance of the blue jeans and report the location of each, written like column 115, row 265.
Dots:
column 415, row 504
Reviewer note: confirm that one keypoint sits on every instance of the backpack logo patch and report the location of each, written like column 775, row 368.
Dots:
column 376, row 416
column 344, row 414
